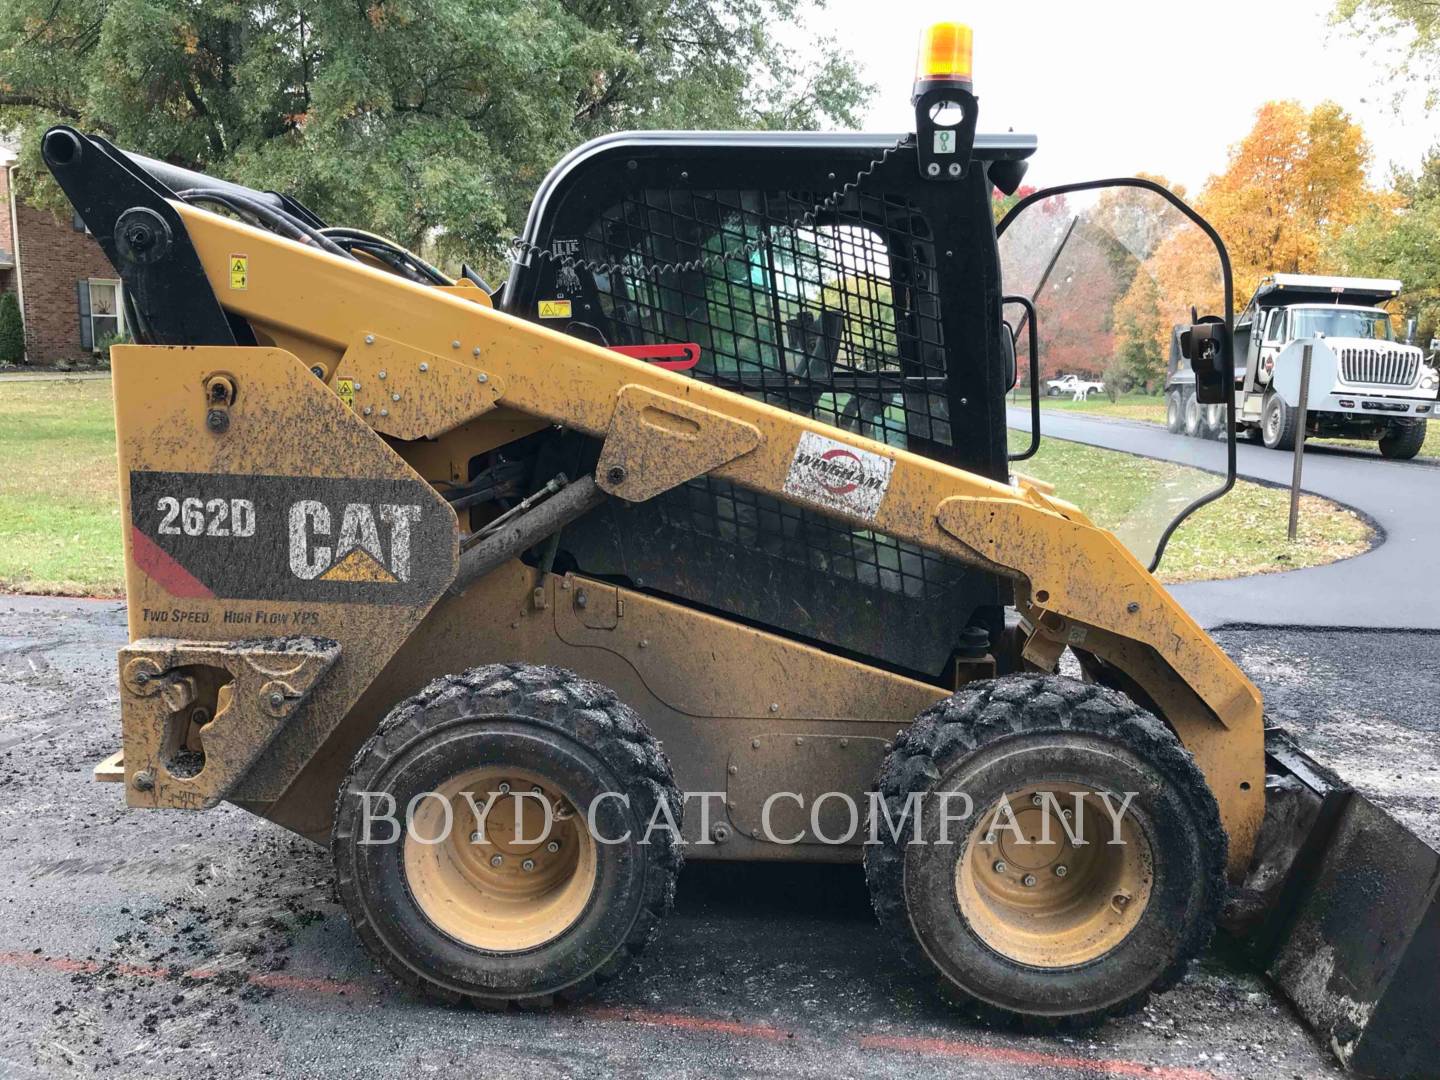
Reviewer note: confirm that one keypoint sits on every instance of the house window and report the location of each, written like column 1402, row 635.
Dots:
column 101, row 315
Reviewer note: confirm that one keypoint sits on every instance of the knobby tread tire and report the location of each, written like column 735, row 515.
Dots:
column 1015, row 705
column 1289, row 423
column 552, row 697
column 1403, row 443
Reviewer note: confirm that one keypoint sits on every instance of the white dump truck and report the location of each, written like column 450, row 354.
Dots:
column 1364, row 384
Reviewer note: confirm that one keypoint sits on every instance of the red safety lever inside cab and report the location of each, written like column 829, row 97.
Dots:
column 670, row 357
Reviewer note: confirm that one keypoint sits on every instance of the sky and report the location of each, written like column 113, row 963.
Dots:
column 1111, row 87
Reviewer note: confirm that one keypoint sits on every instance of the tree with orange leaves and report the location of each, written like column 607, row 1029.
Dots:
column 1177, row 268
column 1291, row 185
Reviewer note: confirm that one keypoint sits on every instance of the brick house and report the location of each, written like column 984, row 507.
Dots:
column 70, row 297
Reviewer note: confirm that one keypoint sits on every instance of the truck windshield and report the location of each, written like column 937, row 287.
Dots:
column 1340, row 323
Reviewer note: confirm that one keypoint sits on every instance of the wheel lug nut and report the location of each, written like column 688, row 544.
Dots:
column 474, row 837
column 1061, row 870
column 1036, row 800
column 497, row 860
column 999, row 866
column 504, row 787
column 552, row 847
column 1028, row 881
column 534, row 789
column 528, row 865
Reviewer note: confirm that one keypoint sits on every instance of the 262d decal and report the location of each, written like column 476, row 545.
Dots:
column 290, row 537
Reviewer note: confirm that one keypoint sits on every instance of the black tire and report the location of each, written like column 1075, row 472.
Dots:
column 1212, row 422
column 1193, row 416
column 554, row 724
column 986, row 738
column 1174, row 412
column 1052, row 391
column 1278, row 422
column 1403, row 442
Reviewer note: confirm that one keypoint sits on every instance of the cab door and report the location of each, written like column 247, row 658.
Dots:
column 1271, row 344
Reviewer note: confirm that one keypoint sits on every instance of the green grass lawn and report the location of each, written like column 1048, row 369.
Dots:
column 1146, row 407
column 60, row 516
column 1243, row 533
column 59, row 504
column 1150, row 408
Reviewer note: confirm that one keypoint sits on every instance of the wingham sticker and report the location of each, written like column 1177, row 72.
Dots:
column 842, row 478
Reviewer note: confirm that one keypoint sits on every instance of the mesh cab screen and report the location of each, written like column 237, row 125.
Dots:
column 835, row 317
column 832, row 313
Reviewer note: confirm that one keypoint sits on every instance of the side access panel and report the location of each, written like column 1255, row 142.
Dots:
column 739, row 711
column 272, row 541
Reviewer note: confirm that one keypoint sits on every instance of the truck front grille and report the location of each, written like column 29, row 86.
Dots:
column 1378, row 367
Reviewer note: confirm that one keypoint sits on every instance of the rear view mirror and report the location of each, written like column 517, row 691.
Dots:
column 1208, row 348
column 1007, row 345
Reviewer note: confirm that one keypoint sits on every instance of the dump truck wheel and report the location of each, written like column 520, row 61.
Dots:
column 1174, row 412
column 1193, row 417
column 1403, row 442
column 1048, row 932
column 512, row 913
column 1213, row 421
column 1278, row 422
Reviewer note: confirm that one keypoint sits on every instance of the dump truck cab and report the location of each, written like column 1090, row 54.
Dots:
column 1364, row 384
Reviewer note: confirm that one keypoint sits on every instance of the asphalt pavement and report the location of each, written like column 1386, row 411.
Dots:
column 173, row 944
column 1394, row 585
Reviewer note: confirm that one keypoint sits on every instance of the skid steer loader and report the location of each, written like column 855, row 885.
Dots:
column 712, row 496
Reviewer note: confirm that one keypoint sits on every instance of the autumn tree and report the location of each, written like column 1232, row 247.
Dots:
column 1074, row 303
column 1414, row 22
column 1398, row 236
column 1182, row 272
column 1001, row 204
column 424, row 119
column 1294, row 183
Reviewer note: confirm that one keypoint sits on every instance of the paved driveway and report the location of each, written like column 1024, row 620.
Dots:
column 1395, row 585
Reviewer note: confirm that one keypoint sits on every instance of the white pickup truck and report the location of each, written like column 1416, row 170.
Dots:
column 1073, row 385
column 1363, row 383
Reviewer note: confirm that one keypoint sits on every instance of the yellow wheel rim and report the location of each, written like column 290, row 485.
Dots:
column 1050, row 901
column 512, row 887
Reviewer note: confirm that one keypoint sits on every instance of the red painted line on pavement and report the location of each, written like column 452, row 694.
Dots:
column 977, row 1052
column 269, row 979
column 1005, row 1055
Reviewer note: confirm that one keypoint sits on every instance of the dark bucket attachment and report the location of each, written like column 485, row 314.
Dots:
column 1351, row 931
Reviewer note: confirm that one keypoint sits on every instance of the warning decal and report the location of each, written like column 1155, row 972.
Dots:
column 839, row 477
column 346, row 389
column 239, row 271
column 554, row 309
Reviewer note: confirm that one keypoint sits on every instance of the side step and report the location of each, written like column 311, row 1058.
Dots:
column 1352, row 932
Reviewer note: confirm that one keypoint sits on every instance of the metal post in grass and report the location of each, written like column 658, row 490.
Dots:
column 1300, row 422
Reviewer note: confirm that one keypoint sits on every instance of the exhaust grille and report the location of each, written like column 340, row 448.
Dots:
column 1379, row 367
